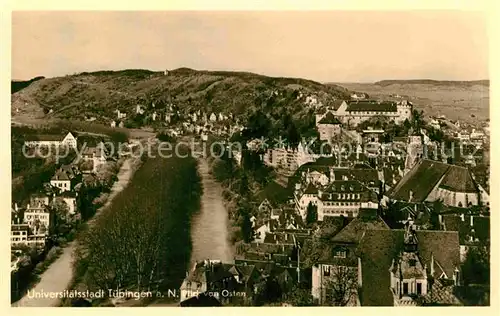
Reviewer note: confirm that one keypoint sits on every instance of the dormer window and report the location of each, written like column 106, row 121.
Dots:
column 412, row 262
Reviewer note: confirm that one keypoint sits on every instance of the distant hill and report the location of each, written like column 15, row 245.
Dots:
column 458, row 100
column 101, row 93
column 434, row 82
column 16, row 85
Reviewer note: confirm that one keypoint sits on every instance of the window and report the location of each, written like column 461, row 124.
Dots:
column 326, row 270
column 412, row 262
column 340, row 254
column 405, row 287
column 419, row 288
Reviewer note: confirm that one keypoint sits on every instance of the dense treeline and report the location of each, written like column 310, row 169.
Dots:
column 142, row 242
column 242, row 184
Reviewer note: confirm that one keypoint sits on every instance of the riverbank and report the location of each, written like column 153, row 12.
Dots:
column 60, row 273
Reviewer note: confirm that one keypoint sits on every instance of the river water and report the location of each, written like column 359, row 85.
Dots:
column 209, row 228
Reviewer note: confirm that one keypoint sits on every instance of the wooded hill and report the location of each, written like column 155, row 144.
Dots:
column 100, row 94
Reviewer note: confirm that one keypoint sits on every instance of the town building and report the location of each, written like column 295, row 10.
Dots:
column 95, row 155
column 288, row 159
column 216, row 279
column 328, row 127
column 397, row 265
column 339, row 198
column 38, row 218
column 68, row 140
column 414, row 150
column 338, row 265
column 120, row 115
column 139, row 109
column 69, row 198
column 408, row 273
column 65, row 178
column 37, row 198
column 432, row 180
column 19, row 234
column 354, row 112
column 473, row 230
column 372, row 135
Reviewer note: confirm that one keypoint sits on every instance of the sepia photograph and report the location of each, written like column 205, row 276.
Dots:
column 249, row 158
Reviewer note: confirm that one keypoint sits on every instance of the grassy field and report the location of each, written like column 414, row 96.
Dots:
column 460, row 101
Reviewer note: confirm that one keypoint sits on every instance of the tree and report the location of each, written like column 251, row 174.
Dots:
column 299, row 297
column 246, row 227
column 312, row 213
column 476, row 267
column 142, row 240
column 342, row 286
column 243, row 187
column 268, row 292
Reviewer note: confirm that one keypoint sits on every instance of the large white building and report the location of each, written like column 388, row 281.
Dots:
column 51, row 140
column 352, row 113
column 339, row 198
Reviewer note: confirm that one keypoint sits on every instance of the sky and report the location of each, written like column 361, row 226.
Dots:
column 326, row 46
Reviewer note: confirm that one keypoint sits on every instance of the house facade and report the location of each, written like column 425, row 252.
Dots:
column 287, row 158
column 64, row 179
column 96, row 155
column 328, row 126
column 339, row 198
column 38, row 218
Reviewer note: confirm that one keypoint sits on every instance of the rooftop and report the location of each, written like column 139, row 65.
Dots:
column 426, row 174
column 372, row 106
column 379, row 247
column 329, row 118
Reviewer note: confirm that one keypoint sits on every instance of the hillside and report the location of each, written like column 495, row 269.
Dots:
column 434, row 82
column 458, row 100
column 100, row 94
column 17, row 85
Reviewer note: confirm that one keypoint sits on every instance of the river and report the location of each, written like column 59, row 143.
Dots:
column 209, row 228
